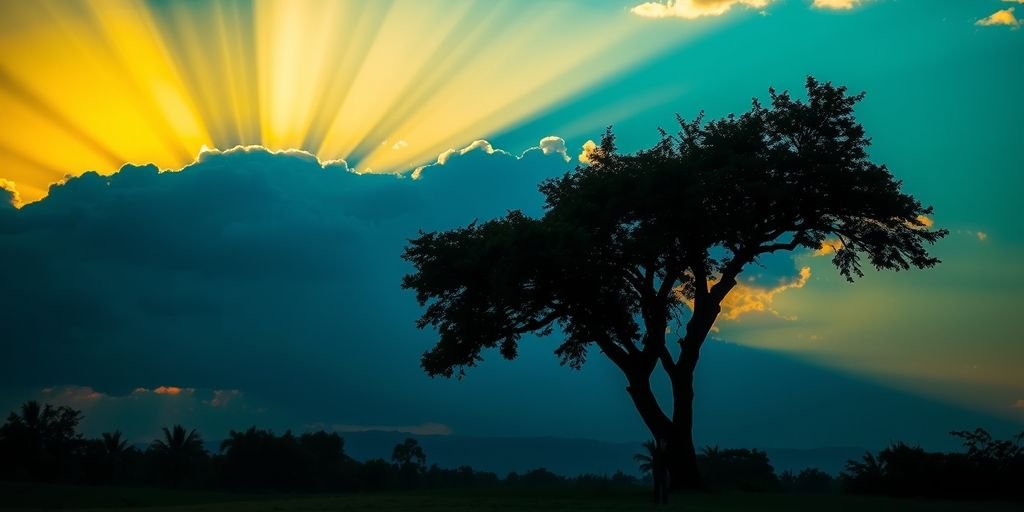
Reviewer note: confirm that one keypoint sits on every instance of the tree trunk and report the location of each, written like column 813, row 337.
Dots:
column 682, row 468
column 675, row 432
column 657, row 422
column 683, row 471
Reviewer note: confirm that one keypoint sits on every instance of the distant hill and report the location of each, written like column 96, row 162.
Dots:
column 563, row 456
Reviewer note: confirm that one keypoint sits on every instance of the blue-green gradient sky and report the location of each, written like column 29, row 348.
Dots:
column 258, row 287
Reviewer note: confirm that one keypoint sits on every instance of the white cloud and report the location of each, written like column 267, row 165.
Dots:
column 554, row 145
column 550, row 145
column 1003, row 17
column 693, row 9
column 476, row 145
column 589, row 148
column 839, row 5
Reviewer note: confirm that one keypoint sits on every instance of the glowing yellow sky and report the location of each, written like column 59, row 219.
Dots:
column 93, row 85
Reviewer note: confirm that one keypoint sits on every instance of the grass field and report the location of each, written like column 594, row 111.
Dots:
column 44, row 497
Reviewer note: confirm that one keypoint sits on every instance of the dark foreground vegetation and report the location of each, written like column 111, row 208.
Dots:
column 46, row 462
column 44, row 496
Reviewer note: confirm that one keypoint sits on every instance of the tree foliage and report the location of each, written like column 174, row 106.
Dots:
column 988, row 467
column 38, row 440
column 633, row 241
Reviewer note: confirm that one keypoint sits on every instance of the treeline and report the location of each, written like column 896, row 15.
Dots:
column 987, row 468
column 41, row 443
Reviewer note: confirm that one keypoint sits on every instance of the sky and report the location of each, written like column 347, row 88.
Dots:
column 203, row 205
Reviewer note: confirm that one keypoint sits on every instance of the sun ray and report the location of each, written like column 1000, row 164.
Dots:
column 385, row 85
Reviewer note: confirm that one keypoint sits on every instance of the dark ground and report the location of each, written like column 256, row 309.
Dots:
column 29, row 497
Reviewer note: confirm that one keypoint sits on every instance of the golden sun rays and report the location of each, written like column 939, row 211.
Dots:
column 386, row 85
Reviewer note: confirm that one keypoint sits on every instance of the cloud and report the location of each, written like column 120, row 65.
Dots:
column 223, row 397
column 142, row 412
column 746, row 298
column 749, row 297
column 9, row 189
column 549, row 145
column 981, row 236
column 829, row 246
column 1003, row 17
column 693, row 9
column 476, row 145
column 244, row 264
column 554, row 146
column 589, row 148
column 843, row 5
column 423, row 429
column 173, row 390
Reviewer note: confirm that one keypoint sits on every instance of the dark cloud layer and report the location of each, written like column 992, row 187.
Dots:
column 269, row 272
column 269, row 282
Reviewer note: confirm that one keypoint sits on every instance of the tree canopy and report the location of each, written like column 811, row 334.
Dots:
column 632, row 241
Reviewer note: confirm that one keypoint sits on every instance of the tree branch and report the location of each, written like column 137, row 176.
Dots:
column 538, row 324
column 615, row 352
column 666, row 359
column 700, row 280
column 668, row 284
column 789, row 246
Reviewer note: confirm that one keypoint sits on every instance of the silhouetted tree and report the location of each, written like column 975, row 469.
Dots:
column 997, row 463
column 410, row 460
column 115, row 450
column 325, row 453
column 628, row 241
column 253, row 459
column 180, row 455
column 38, row 442
column 809, row 480
column 463, row 477
column 655, row 463
column 738, row 469
column 113, row 444
column 989, row 468
column 540, row 477
column 866, row 476
column 375, row 475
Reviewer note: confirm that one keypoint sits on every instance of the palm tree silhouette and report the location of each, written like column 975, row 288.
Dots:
column 113, row 444
column 114, row 448
column 178, row 440
column 179, row 450
column 655, row 463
